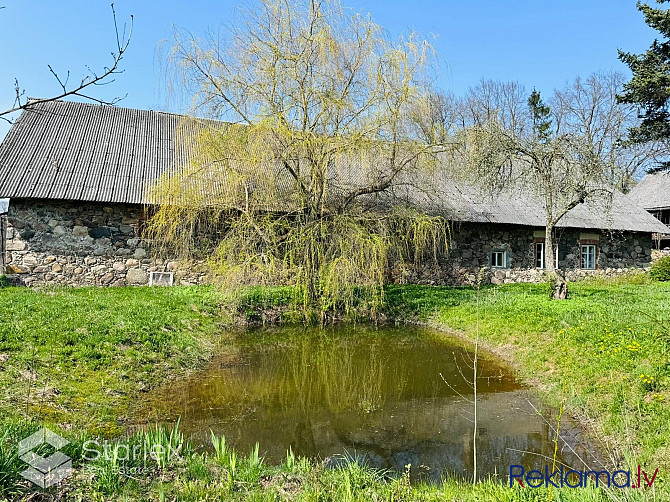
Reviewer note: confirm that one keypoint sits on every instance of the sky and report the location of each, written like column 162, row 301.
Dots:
column 540, row 43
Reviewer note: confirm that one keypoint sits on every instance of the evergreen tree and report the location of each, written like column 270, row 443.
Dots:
column 541, row 115
column 650, row 86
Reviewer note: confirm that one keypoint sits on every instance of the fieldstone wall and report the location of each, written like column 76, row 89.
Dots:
column 472, row 243
column 82, row 244
column 99, row 244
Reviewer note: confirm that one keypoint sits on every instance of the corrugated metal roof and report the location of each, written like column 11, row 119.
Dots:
column 79, row 151
column 653, row 192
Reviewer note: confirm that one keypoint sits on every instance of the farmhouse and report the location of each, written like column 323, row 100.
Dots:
column 653, row 195
column 74, row 180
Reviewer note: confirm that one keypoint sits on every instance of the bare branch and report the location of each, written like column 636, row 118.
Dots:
column 92, row 79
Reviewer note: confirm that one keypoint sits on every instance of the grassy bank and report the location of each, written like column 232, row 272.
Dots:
column 77, row 359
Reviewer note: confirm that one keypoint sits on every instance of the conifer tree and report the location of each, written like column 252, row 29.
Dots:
column 649, row 87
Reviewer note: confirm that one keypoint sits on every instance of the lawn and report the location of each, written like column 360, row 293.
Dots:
column 77, row 359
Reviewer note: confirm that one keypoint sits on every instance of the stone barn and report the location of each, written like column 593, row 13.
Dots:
column 653, row 195
column 73, row 181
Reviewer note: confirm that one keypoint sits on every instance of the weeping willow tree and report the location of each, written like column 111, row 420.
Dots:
column 310, row 173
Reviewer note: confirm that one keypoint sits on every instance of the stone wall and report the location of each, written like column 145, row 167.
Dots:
column 472, row 243
column 99, row 244
column 82, row 244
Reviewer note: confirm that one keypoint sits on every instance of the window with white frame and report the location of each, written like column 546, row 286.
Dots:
column 499, row 259
column 588, row 256
column 540, row 257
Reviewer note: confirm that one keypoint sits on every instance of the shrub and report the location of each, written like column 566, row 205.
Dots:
column 660, row 269
column 4, row 282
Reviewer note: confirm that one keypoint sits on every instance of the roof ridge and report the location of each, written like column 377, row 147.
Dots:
column 115, row 107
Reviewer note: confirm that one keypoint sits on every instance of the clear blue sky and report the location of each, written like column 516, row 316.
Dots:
column 540, row 43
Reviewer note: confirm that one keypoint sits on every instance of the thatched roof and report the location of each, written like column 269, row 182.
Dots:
column 653, row 192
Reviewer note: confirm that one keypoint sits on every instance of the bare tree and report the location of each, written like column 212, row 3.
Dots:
column 82, row 87
column 504, row 102
column 589, row 108
column 560, row 167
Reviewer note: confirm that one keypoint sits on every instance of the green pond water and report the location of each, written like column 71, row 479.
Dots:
column 390, row 396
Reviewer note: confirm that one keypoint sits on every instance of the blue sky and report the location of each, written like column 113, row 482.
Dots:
column 540, row 43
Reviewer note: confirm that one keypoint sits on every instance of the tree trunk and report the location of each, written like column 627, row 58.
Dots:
column 558, row 284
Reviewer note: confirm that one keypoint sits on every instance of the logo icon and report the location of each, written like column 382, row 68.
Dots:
column 45, row 472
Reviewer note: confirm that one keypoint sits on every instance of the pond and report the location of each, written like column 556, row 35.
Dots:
column 391, row 396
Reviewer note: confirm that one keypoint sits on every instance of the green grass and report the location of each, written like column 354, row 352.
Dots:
column 80, row 356
column 77, row 360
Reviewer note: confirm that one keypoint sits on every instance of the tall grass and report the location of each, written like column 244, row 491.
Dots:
column 10, row 466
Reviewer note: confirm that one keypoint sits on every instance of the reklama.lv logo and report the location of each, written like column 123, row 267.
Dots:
column 578, row 479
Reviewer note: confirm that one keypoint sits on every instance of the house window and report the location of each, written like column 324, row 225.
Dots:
column 588, row 256
column 540, row 258
column 499, row 259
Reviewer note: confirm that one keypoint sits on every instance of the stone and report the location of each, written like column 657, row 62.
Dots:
column 119, row 267
column 17, row 223
column 30, row 260
column 131, row 262
column 57, row 267
column 126, row 220
column 13, row 269
column 139, row 254
column 123, row 252
column 49, row 259
column 133, row 243
column 60, row 230
column 53, row 223
column 16, row 246
column 80, row 231
column 26, row 235
column 98, row 232
column 136, row 276
column 78, row 270
column 98, row 269
column 107, row 278
column 127, row 229
column 90, row 261
column 10, row 233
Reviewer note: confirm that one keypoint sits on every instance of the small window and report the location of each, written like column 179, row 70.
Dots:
column 161, row 279
column 588, row 256
column 499, row 259
column 539, row 255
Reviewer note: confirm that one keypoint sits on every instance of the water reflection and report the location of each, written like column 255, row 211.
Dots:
column 377, row 393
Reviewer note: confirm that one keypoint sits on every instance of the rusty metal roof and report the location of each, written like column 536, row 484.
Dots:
column 85, row 152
